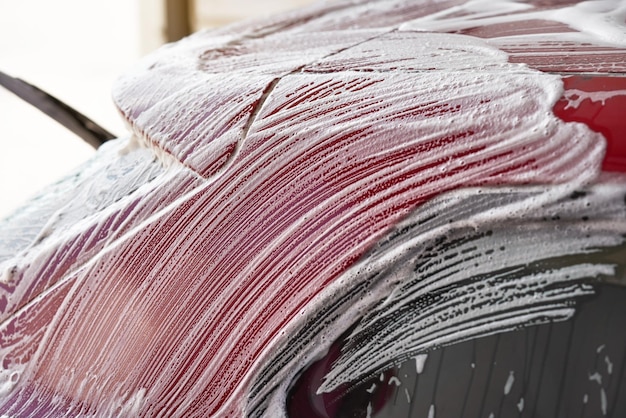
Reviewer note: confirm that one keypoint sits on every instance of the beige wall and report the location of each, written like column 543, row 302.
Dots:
column 211, row 13
column 168, row 20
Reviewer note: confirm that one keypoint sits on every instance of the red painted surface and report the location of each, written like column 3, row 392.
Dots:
column 605, row 114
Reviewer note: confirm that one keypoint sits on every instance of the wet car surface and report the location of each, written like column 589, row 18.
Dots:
column 355, row 209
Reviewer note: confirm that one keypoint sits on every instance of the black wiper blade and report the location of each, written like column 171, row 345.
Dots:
column 81, row 125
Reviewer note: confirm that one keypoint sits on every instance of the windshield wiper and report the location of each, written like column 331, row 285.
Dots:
column 81, row 125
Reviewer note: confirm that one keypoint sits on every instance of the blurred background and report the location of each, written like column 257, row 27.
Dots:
column 74, row 50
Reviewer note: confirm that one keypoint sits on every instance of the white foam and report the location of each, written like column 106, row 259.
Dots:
column 509, row 383
column 599, row 20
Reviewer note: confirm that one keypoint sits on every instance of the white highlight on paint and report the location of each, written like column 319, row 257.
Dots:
column 371, row 388
column 600, row 348
column 408, row 396
column 431, row 411
column 509, row 382
column 520, row 405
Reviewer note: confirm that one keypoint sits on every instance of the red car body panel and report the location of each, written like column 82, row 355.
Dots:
column 270, row 157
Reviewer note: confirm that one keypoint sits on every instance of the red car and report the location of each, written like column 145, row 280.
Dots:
column 360, row 208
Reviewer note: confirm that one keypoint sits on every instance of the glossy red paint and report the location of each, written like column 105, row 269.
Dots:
column 599, row 101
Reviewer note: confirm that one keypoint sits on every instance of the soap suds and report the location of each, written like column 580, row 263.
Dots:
column 420, row 362
column 601, row 20
column 609, row 365
column 371, row 190
column 575, row 97
column 509, row 383
column 393, row 380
